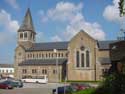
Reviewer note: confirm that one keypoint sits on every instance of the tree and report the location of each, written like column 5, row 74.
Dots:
column 122, row 7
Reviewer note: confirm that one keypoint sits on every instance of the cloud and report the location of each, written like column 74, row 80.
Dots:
column 13, row 3
column 39, row 36
column 64, row 11
column 111, row 12
column 71, row 14
column 8, row 28
column 56, row 38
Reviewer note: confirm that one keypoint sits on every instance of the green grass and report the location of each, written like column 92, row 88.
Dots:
column 87, row 91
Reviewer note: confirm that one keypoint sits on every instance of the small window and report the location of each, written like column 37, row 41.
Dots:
column 61, row 54
column 34, row 71
column 52, row 55
column 87, row 59
column 6, row 71
column 49, row 55
column 39, row 55
column 46, row 55
column 33, row 55
column 43, row 55
column 44, row 71
column 21, row 35
column 19, row 54
column 82, row 60
column 58, row 54
column 77, row 59
column 11, row 71
column 25, row 35
column 30, row 55
column 24, row 71
column 54, row 71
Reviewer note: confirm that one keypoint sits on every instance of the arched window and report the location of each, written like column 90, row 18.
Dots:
column 82, row 60
column 52, row 55
column 21, row 35
column 58, row 54
column 42, row 55
column 77, row 59
column 87, row 59
column 30, row 35
column 61, row 54
column 39, row 55
column 44, row 71
column 25, row 35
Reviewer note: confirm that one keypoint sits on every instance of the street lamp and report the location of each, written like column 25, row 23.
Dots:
column 55, row 51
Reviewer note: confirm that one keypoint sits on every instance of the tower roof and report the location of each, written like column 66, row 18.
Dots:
column 27, row 22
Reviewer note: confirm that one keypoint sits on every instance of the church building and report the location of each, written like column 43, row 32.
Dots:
column 81, row 59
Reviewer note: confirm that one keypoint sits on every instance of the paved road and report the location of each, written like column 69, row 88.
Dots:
column 27, row 91
column 32, row 88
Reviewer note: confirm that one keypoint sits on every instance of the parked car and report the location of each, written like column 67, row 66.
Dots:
column 4, row 85
column 61, row 90
column 79, row 86
column 14, row 83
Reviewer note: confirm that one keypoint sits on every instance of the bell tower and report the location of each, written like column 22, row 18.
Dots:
column 26, row 32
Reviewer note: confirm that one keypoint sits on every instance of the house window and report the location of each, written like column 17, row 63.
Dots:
column 39, row 55
column 61, row 54
column 33, row 55
column 52, row 55
column 25, row 35
column 87, row 59
column 77, row 59
column 30, row 55
column 6, row 71
column 34, row 71
column 82, row 60
column 54, row 71
column 58, row 54
column 21, row 35
column 42, row 55
column 44, row 71
column 46, row 55
column 10, row 71
column 24, row 71
column 49, row 55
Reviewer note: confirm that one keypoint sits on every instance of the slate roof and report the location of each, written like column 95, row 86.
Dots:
column 42, row 62
column 104, row 60
column 27, row 22
column 104, row 45
column 48, row 46
column 6, row 65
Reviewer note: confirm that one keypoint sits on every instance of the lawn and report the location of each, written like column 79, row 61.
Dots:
column 87, row 91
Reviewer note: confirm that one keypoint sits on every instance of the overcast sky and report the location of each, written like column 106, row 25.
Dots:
column 57, row 20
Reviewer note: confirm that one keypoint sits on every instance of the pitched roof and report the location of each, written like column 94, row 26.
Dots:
column 104, row 60
column 42, row 62
column 27, row 22
column 6, row 65
column 104, row 45
column 48, row 46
